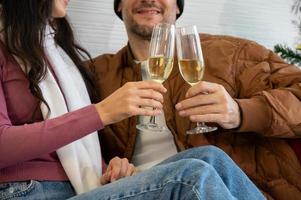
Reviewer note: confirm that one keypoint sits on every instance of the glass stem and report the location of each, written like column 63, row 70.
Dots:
column 200, row 124
column 152, row 120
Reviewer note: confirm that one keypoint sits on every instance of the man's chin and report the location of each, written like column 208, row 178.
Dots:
column 143, row 26
column 144, row 32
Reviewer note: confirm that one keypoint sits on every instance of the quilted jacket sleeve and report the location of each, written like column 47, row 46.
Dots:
column 269, row 93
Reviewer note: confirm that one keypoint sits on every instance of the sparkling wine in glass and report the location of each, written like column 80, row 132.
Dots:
column 191, row 64
column 160, row 63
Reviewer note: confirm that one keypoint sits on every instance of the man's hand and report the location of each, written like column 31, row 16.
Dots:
column 210, row 102
column 117, row 168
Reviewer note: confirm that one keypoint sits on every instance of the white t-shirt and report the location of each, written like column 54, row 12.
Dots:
column 152, row 148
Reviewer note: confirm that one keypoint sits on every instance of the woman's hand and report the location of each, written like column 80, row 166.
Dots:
column 117, row 168
column 131, row 99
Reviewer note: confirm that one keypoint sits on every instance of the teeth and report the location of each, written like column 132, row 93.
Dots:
column 150, row 12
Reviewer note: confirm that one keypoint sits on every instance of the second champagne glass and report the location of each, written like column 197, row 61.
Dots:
column 160, row 63
column 191, row 64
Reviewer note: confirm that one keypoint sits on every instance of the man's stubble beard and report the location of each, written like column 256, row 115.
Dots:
column 142, row 31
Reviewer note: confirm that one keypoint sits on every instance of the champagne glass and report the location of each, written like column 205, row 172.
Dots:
column 160, row 63
column 191, row 64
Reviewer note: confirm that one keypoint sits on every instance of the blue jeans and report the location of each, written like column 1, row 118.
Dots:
column 198, row 173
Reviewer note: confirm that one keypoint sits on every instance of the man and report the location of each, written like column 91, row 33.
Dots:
column 247, row 90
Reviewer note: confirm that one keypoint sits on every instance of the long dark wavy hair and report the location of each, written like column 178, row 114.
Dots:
column 24, row 23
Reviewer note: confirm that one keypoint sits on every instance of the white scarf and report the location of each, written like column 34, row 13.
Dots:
column 81, row 159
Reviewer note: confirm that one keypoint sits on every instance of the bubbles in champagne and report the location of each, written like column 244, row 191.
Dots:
column 159, row 68
column 192, row 71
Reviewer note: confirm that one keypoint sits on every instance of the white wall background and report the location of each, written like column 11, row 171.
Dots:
column 267, row 22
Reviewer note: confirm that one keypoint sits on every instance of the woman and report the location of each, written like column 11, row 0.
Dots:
column 48, row 145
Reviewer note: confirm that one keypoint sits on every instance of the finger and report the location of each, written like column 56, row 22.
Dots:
column 150, row 94
column 217, row 118
column 124, row 167
column 148, row 112
column 149, row 103
column 143, row 110
column 202, row 110
column 136, row 171
column 105, row 178
column 130, row 170
column 116, row 166
column 199, row 100
column 151, row 85
column 202, row 87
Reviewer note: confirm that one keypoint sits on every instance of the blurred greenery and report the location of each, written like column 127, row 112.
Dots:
column 292, row 56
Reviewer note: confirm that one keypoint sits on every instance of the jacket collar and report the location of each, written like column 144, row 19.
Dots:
column 127, row 56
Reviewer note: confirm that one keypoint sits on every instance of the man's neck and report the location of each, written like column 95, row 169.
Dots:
column 139, row 48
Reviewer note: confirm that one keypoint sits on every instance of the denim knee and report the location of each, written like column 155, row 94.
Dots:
column 187, row 168
column 209, row 154
column 206, row 153
column 209, row 149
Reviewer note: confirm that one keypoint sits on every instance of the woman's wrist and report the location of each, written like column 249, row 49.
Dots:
column 103, row 115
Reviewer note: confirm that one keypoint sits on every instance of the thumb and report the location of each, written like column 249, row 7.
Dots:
column 105, row 178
